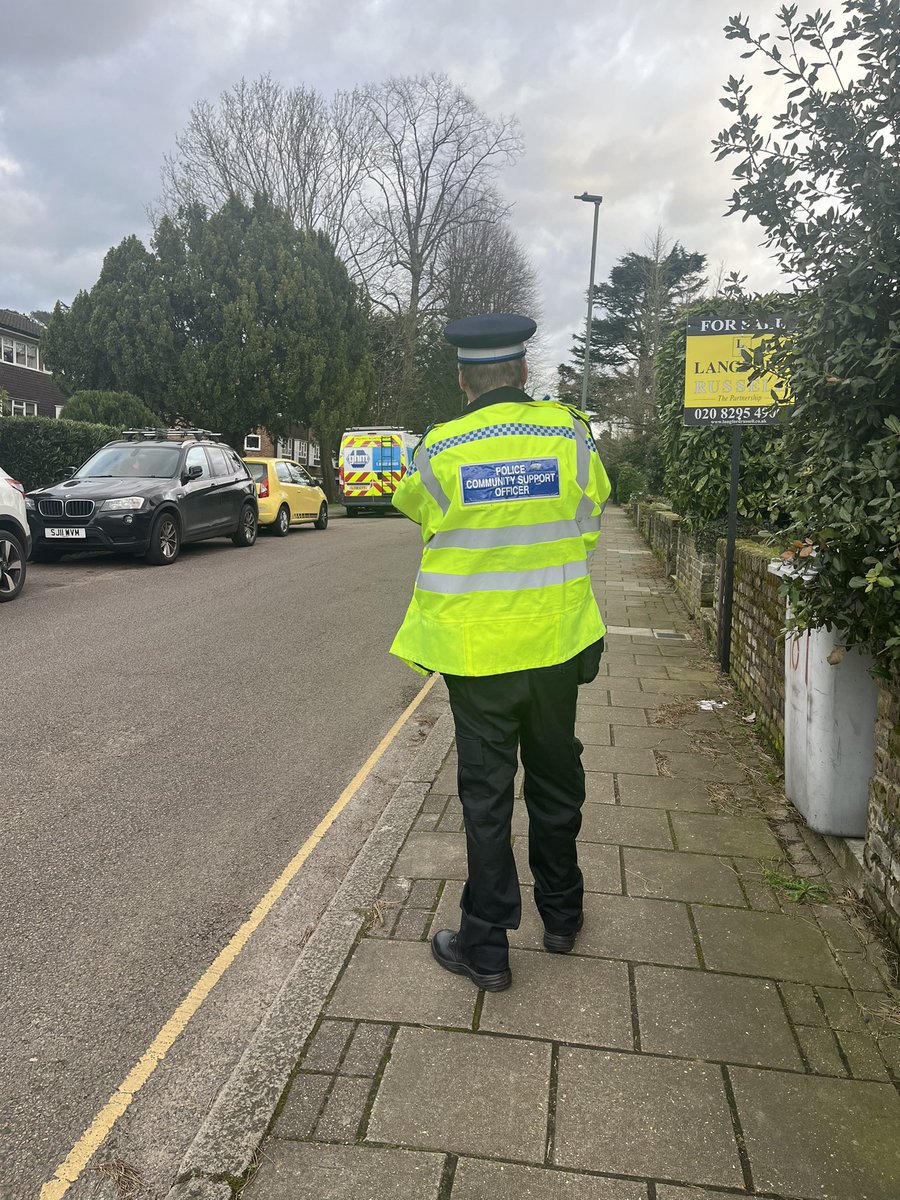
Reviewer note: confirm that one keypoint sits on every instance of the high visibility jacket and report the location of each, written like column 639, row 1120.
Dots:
column 509, row 497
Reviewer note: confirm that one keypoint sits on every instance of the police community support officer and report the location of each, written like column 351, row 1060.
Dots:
column 509, row 497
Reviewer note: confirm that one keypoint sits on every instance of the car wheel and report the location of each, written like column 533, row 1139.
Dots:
column 283, row 521
column 322, row 522
column 12, row 566
column 245, row 534
column 165, row 540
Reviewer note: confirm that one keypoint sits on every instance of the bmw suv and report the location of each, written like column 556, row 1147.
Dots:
column 147, row 494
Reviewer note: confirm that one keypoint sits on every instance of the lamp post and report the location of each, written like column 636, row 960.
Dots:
column 596, row 201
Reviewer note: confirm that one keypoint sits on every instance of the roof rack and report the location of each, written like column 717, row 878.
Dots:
column 169, row 435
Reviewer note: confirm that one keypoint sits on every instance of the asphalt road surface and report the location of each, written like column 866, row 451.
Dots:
column 170, row 737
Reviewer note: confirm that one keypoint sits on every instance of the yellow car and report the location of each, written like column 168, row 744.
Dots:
column 287, row 495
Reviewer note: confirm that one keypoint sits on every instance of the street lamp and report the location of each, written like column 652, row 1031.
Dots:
column 596, row 201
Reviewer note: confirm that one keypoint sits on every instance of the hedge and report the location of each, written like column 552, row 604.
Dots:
column 37, row 450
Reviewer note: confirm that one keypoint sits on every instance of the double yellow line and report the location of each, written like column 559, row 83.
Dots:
column 101, row 1126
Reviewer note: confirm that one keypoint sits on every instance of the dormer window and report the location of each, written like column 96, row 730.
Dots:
column 19, row 352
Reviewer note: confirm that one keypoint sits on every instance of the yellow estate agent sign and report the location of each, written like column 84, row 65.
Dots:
column 718, row 390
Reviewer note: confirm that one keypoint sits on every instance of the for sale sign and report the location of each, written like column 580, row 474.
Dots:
column 718, row 388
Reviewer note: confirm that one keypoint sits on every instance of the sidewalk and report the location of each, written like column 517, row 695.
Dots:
column 709, row 1037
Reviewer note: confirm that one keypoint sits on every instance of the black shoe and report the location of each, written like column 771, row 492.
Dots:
column 445, row 948
column 562, row 943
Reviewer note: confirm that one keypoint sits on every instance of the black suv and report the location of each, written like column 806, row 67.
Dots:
column 147, row 494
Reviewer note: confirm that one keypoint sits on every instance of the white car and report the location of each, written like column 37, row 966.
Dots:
column 15, row 537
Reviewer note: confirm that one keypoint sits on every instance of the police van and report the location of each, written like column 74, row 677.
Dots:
column 372, row 462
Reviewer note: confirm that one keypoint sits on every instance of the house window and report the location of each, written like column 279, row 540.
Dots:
column 316, row 453
column 22, row 354
column 24, row 408
column 59, row 409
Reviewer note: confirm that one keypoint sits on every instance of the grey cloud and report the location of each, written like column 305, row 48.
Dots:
column 620, row 98
column 50, row 32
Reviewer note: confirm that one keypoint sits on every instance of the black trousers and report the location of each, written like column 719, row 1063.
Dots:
column 494, row 716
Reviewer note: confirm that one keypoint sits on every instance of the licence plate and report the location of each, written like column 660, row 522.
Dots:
column 64, row 531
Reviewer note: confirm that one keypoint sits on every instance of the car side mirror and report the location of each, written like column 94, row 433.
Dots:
column 69, row 472
column 193, row 472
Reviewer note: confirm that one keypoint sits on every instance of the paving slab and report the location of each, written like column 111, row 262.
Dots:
column 563, row 997
column 432, row 856
column 652, row 737
column 769, row 944
column 719, row 1018
column 825, row 1139
column 492, row 1100
column 749, row 837
column 619, row 759
column 862, row 1055
column 712, row 770
column 599, row 863
column 623, row 825
column 633, row 697
column 305, row 1101
column 593, row 733
column 688, row 689
column 665, row 1191
column 637, row 1115
column 476, row 1180
column 599, row 788
column 400, row 981
column 676, row 794
column 610, row 716
column 297, row 1171
column 652, row 931
column 674, row 875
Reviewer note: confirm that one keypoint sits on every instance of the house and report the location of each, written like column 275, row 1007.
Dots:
column 30, row 386
column 298, row 444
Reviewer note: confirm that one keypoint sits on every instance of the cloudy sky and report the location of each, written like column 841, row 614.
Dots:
column 618, row 97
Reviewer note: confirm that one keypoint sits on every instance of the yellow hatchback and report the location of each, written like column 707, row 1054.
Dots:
column 287, row 495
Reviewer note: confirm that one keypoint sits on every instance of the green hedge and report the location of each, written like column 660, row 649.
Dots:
column 37, row 450
column 629, row 479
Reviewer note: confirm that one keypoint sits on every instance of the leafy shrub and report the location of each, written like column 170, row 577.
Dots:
column 824, row 188
column 110, row 408
column 629, row 480
column 37, row 450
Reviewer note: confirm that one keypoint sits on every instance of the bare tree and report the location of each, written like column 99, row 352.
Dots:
column 435, row 158
column 305, row 155
column 482, row 267
column 400, row 175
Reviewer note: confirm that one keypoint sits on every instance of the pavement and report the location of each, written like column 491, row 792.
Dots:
column 725, row 1026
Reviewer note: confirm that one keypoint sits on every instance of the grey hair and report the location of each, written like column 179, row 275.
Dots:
column 484, row 377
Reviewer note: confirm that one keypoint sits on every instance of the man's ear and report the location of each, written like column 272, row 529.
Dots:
column 524, row 371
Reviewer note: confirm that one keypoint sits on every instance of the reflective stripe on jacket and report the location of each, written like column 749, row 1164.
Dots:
column 509, row 498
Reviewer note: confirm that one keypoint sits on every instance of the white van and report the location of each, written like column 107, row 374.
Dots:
column 373, row 460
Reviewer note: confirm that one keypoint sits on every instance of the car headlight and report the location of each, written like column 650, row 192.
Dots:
column 29, row 503
column 123, row 502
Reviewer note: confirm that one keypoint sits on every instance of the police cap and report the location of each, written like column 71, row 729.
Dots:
column 497, row 337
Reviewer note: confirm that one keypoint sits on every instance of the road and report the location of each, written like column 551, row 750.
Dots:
column 171, row 736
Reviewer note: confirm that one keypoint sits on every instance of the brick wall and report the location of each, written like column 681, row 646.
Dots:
column 695, row 575
column 757, row 670
column 664, row 535
column 757, row 644
column 882, row 850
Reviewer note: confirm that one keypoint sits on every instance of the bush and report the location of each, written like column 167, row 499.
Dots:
column 629, row 480
column 123, row 409
column 37, row 450
column 824, row 189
